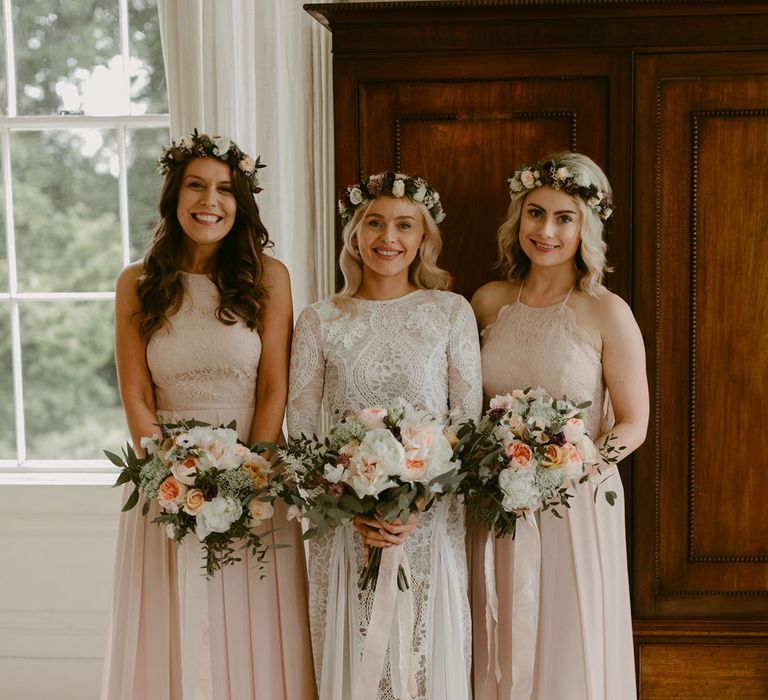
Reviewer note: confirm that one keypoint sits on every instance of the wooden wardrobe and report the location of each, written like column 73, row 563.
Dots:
column 671, row 98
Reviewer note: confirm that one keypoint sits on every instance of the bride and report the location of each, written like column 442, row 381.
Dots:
column 391, row 332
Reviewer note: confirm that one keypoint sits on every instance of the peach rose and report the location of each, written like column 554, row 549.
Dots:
column 258, row 469
column 171, row 493
column 520, row 455
column 194, row 502
column 554, row 457
column 260, row 510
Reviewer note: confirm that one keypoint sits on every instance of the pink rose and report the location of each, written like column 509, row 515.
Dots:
column 185, row 471
column 573, row 429
column 372, row 418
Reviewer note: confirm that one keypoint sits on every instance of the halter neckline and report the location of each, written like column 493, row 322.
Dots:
column 560, row 303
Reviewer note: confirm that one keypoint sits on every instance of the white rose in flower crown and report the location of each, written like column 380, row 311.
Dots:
column 562, row 173
column 582, row 179
column 217, row 515
column 519, row 490
column 372, row 417
column 221, row 145
column 527, row 179
column 260, row 510
column 355, row 196
column 574, row 429
column 515, row 185
column 420, row 193
column 398, row 188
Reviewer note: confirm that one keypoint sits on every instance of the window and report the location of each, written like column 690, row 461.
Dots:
column 83, row 115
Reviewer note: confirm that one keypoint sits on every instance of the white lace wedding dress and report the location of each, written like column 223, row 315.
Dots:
column 349, row 354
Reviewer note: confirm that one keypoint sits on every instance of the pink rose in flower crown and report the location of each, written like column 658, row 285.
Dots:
column 171, row 494
column 185, row 471
column 573, row 429
column 372, row 418
column 194, row 501
column 520, row 455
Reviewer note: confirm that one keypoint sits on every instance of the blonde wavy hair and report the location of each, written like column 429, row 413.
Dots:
column 591, row 262
column 424, row 271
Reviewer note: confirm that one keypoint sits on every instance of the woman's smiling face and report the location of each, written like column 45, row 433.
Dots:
column 550, row 226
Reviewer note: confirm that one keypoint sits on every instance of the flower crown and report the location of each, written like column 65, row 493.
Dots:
column 394, row 184
column 561, row 177
column 197, row 145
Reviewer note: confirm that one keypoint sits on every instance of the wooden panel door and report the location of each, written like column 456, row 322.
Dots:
column 702, row 301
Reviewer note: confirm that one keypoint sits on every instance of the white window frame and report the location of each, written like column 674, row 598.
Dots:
column 23, row 470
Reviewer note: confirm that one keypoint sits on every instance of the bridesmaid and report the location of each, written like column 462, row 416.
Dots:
column 203, row 316
column 390, row 333
column 553, row 323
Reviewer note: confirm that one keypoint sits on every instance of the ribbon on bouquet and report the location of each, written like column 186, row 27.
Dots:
column 525, row 606
column 392, row 608
column 193, row 604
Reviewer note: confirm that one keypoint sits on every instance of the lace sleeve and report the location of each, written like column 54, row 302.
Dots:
column 307, row 376
column 465, row 381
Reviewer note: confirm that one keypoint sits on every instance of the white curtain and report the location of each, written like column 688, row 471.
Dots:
column 259, row 71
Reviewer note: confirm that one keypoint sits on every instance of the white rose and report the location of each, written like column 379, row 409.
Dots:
column 372, row 418
column 573, row 429
column 562, row 173
column 419, row 195
column 217, row 515
column 587, row 451
column 333, row 472
column 221, row 145
column 292, row 513
column 519, row 489
column 582, row 180
column 379, row 456
column 355, row 196
column 398, row 188
column 187, row 142
column 515, row 185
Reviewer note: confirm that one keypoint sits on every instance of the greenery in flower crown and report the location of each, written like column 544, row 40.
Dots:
column 561, row 177
column 392, row 184
column 196, row 145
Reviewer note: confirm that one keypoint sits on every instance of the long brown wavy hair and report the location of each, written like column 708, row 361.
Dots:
column 237, row 267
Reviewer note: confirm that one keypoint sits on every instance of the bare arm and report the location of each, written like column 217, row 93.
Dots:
column 135, row 382
column 624, row 372
column 272, row 382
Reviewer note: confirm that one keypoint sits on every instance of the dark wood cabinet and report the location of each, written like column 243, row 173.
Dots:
column 671, row 98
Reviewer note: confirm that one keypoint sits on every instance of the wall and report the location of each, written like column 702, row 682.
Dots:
column 57, row 546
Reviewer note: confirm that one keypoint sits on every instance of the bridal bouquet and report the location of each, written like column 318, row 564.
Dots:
column 207, row 482
column 523, row 455
column 384, row 461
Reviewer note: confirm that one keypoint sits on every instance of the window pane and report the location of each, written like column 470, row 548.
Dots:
column 66, row 209
column 147, row 72
column 68, row 57
column 3, row 87
column 7, row 426
column 3, row 250
column 144, row 184
column 71, row 404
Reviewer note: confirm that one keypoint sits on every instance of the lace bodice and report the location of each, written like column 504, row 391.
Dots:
column 199, row 363
column 528, row 346
column 356, row 353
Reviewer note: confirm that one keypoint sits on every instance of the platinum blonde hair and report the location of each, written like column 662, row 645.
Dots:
column 591, row 262
column 424, row 271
